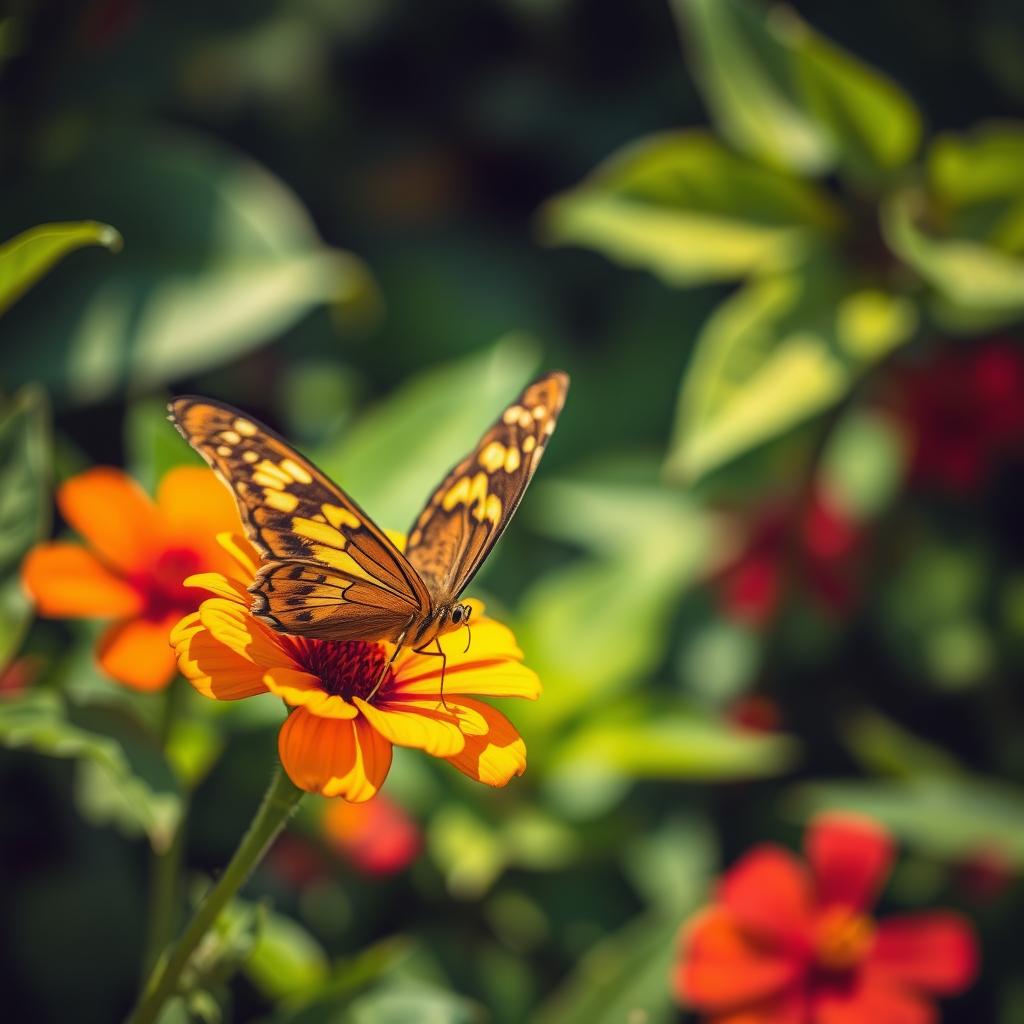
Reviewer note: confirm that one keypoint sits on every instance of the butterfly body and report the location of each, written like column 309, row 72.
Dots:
column 329, row 571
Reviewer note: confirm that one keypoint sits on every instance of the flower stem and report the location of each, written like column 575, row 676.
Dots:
column 279, row 803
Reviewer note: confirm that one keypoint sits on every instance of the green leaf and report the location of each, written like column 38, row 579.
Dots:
column 945, row 817
column 408, row 1001
column 790, row 97
column 24, row 506
column 151, row 449
column 123, row 779
column 25, row 258
column 286, row 960
column 778, row 352
column 221, row 258
column 396, row 453
column 745, row 72
column 985, row 165
column 624, row 978
column 683, row 206
column 978, row 284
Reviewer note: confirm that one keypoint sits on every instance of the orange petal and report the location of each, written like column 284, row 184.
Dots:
column 413, row 725
column 850, row 858
column 722, row 970
column 114, row 514
column 303, row 689
column 213, row 669
column 332, row 756
column 495, row 756
column 67, row 580
column 137, row 652
column 245, row 558
column 194, row 507
column 786, row 1009
column 866, row 1000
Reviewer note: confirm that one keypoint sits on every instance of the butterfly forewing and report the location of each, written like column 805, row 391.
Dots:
column 331, row 571
column 471, row 508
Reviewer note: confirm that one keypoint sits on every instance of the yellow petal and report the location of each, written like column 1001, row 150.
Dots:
column 214, row 670
column 245, row 557
column 303, row 689
column 437, row 733
column 220, row 585
column 234, row 627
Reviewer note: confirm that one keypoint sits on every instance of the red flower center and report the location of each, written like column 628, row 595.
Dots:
column 346, row 668
column 843, row 939
column 163, row 585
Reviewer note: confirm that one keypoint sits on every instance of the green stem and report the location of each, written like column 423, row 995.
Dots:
column 279, row 803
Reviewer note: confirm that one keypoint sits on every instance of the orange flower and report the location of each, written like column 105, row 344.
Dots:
column 337, row 739
column 133, row 570
column 378, row 837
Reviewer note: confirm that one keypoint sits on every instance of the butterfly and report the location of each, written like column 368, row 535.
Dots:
column 328, row 570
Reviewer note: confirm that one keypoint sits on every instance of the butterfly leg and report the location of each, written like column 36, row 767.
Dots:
column 439, row 653
column 384, row 670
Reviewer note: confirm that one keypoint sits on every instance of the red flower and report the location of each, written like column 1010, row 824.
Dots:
column 821, row 556
column 377, row 836
column 789, row 943
column 964, row 411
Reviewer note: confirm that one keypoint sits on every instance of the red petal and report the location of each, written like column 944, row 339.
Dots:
column 936, row 952
column 867, row 1002
column 850, row 857
column 768, row 892
column 721, row 969
column 787, row 1009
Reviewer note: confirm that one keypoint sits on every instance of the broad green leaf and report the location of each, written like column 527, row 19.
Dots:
column 640, row 742
column 111, row 786
column 221, row 258
column 393, row 457
column 746, row 73
column 945, row 817
column 778, row 352
column 873, row 124
column 986, row 165
column 978, row 284
column 286, row 960
column 24, row 506
column 683, row 206
column 624, row 978
column 792, row 98
column 25, row 258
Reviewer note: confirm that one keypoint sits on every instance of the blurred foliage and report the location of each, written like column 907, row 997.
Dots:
column 368, row 224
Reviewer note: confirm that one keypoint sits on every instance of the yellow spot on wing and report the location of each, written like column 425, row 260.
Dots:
column 512, row 413
column 295, row 471
column 281, row 500
column 511, row 460
column 320, row 532
column 224, row 450
column 529, row 443
column 458, row 493
column 266, row 480
column 250, row 456
column 540, row 411
column 489, row 509
column 230, row 437
column 339, row 517
column 268, row 467
column 492, row 457
column 525, row 419
column 244, row 427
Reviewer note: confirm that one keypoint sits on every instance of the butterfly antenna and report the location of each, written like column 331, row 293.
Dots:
column 469, row 638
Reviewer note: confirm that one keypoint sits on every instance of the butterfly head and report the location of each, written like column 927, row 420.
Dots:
column 460, row 615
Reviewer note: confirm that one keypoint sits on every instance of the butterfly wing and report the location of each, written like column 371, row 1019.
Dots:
column 467, row 514
column 325, row 556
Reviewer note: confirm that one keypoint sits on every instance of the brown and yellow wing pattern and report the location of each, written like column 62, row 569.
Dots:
column 330, row 572
column 469, row 511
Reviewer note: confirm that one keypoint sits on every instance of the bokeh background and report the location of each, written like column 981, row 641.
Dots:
column 771, row 562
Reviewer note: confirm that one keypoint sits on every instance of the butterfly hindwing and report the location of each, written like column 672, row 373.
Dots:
column 297, row 518
column 468, row 512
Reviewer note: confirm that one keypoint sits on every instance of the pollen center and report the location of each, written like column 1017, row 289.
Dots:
column 844, row 939
column 345, row 668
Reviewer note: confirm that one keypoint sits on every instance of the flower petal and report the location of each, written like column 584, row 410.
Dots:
column 244, row 556
column 303, row 689
column 194, row 507
column 850, row 858
column 332, row 756
column 232, row 625
column 494, row 756
column 214, row 670
column 220, row 585
column 866, row 1001
column 137, row 653
column 67, row 580
column 768, row 892
column 721, row 969
column 790, row 1008
column 114, row 514
column 936, row 952
column 415, row 725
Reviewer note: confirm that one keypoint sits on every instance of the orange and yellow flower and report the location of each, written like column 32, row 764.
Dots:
column 337, row 739
column 139, row 553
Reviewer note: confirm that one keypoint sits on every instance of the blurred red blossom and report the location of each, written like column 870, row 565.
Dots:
column 817, row 545
column 964, row 411
column 17, row 677
column 985, row 874
column 377, row 837
column 794, row 943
